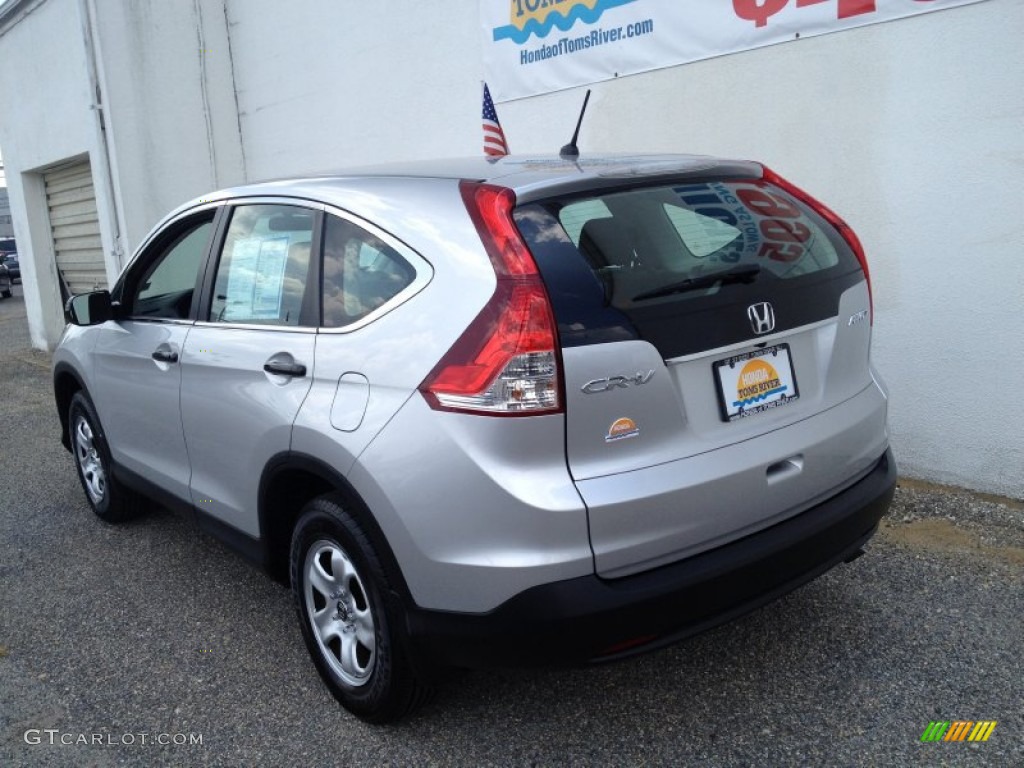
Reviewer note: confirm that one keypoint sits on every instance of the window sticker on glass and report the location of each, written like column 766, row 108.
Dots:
column 256, row 279
column 266, row 299
column 241, row 279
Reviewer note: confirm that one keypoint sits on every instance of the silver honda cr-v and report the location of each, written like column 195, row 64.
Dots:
column 511, row 411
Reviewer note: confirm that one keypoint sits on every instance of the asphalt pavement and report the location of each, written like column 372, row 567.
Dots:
column 150, row 644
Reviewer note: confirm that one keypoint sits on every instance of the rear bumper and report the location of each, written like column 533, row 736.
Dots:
column 590, row 618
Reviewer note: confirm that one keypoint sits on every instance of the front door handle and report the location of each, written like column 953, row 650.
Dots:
column 164, row 354
column 285, row 369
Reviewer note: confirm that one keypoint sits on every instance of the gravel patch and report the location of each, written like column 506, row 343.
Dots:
column 992, row 521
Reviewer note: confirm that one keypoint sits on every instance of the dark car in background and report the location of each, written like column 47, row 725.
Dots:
column 5, row 282
column 10, row 260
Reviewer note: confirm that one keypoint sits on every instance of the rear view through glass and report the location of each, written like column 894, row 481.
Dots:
column 659, row 262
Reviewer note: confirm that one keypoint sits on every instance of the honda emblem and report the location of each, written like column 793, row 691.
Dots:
column 762, row 317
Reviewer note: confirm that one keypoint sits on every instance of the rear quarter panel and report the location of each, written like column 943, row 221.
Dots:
column 395, row 352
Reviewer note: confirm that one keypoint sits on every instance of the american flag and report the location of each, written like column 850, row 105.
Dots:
column 494, row 138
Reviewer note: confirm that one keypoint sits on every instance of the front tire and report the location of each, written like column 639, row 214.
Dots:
column 351, row 622
column 111, row 501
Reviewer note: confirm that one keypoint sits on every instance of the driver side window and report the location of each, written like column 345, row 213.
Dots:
column 167, row 284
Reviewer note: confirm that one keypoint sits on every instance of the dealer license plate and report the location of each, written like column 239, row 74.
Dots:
column 755, row 381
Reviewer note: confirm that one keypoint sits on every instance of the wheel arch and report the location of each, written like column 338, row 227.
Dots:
column 289, row 481
column 66, row 382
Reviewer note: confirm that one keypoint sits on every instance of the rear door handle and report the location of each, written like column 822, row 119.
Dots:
column 164, row 354
column 285, row 369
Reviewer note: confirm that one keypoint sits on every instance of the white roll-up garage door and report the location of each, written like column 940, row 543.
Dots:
column 71, row 200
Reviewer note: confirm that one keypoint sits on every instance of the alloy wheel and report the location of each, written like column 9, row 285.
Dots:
column 339, row 611
column 90, row 463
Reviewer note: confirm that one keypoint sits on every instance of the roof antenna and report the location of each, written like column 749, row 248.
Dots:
column 570, row 151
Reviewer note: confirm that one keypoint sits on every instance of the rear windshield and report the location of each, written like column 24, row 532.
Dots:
column 663, row 262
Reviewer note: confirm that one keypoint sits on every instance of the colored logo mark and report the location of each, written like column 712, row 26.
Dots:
column 758, row 381
column 621, row 429
column 539, row 17
column 959, row 730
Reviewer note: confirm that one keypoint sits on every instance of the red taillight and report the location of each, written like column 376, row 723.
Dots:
column 832, row 218
column 506, row 361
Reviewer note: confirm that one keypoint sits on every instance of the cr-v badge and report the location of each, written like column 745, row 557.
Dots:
column 762, row 317
column 625, row 382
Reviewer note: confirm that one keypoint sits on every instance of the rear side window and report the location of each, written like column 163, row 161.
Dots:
column 679, row 264
column 361, row 273
column 264, row 266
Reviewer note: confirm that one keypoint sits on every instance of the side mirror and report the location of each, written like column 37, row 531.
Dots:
column 89, row 308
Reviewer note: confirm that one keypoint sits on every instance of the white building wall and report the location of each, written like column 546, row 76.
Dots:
column 321, row 87
column 173, row 127
column 912, row 130
column 44, row 54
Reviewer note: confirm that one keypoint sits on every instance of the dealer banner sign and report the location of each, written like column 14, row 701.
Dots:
column 539, row 46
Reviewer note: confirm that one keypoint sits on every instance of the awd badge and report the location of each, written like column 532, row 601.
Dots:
column 621, row 429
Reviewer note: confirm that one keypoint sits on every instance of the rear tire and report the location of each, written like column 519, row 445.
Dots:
column 6, row 294
column 352, row 623
column 109, row 499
